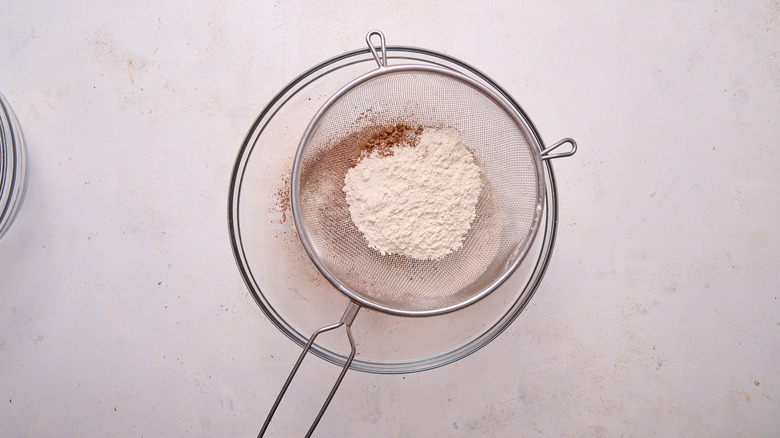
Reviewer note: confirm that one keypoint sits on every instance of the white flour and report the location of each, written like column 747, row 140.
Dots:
column 418, row 202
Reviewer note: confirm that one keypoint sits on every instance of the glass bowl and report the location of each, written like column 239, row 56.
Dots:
column 13, row 166
column 290, row 290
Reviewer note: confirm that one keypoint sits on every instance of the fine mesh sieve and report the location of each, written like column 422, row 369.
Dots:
column 508, row 211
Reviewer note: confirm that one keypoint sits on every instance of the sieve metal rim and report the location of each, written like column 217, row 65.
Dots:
column 13, row 166
column 533, row 147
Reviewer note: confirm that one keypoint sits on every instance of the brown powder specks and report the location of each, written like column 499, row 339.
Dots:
column 332, row 164
column 366, row 116
column 282, row 198
column 385, row 138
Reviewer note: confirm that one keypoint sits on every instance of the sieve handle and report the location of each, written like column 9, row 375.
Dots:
column 546, row 155
column 346, row 320
column 380, row 60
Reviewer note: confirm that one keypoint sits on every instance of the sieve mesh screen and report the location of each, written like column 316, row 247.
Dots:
column 507, row 212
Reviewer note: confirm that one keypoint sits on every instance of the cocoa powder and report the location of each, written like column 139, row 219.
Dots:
column 383, row 140
column 332, row 163
column 282, row 198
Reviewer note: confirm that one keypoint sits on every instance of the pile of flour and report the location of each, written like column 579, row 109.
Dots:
column 418, row 202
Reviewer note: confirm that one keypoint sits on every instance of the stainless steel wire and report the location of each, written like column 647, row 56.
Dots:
column 508, row 212
column 13, row 166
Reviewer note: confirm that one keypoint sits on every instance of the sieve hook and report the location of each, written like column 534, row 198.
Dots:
column 346, row 320
column 381, row 61
column 546, row 155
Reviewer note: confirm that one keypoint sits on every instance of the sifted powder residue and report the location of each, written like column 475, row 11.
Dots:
column 418, row 202
column 383, row 141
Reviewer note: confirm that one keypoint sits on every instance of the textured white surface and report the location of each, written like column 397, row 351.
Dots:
column 122, row 312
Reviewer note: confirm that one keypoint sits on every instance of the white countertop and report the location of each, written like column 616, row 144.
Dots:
column 122, row 312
